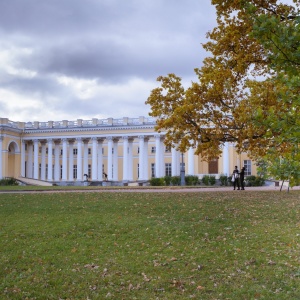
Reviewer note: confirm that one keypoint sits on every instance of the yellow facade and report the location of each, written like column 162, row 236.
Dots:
column 127, row 149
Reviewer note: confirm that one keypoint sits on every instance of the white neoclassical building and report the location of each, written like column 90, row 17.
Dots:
column 127, row 149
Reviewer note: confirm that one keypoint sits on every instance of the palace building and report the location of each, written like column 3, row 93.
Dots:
column 127, row 150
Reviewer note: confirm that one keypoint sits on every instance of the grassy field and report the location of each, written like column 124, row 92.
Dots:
column 150, row 245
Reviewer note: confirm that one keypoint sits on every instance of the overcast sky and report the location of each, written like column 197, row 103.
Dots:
column 84, row 59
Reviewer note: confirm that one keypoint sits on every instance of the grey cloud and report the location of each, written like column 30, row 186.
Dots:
column 111, row 41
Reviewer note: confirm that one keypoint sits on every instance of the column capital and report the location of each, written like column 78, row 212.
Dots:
column 159, row 136
column 43, row 142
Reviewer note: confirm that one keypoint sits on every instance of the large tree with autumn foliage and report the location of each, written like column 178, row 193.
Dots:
column 248, row 87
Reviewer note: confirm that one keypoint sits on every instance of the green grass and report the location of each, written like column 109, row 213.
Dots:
column 150, row 245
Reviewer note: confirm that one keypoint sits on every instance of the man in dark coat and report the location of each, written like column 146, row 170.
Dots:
column 242, row 178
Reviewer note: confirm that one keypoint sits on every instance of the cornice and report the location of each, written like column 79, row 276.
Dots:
column 87, row 129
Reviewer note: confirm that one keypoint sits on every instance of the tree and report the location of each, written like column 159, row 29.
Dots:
column 247, row 90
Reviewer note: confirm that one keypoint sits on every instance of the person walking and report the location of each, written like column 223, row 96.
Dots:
column 105, row 176
column 235, row 176
column 242, row 178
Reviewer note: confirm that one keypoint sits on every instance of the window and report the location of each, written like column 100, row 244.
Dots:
column 168, row 169
column 248, row 168
column 75, row 151
column 168, row 149
column 89, row 151
column 138, row 170
column 153, row 149
column 138, row 150
column 152, row 170
column 89, row 171
column 75, row 170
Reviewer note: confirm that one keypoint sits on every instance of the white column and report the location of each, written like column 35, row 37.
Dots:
column 125, row 158
column 1, row 157
column 22, row 157
column 79, row 159
column 191, row 162
column 43, row 160
column 50, row 159
column 100, row 159
column 64, row 159
column 175, row 162
column 71, row 160
column 130, row 159
column 225, row 156
column 109, row 157
column 29, row 159
column 94, row 158
column 56, row 160
column 86, row 156
column 115, row 160
column 158, row 156
column 145, row 159
column 36, row 159
column 141, row 157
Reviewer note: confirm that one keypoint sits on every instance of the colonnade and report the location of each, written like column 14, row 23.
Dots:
column 58, row 154
column 61, row 156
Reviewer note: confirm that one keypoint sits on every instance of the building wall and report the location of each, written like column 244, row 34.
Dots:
column 17, row 138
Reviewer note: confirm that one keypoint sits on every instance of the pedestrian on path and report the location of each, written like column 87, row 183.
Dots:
column 235, row 178
column 242, row 178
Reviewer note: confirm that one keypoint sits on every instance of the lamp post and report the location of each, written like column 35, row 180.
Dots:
column 182, row 172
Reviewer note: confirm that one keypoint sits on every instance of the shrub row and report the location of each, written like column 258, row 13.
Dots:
column 176, row 180
column 191, row 180
column 8, row 181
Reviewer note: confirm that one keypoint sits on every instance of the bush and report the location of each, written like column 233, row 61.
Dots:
column 175, row 180
column 254, row 181
column 191, row 180
column 8, row 181
column 223, row 180
column 167, row 180
column 157, row 181
column 205, row 180
column 212, row 180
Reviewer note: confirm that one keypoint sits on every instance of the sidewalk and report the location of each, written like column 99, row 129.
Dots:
column 155, row 190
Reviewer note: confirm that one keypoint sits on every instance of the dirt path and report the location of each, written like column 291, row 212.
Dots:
column 155, row 190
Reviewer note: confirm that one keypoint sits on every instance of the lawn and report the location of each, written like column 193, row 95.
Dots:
column 114, row 245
